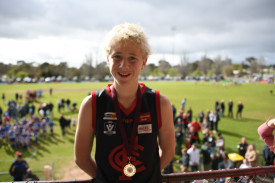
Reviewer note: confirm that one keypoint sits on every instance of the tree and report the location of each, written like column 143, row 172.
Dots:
column 173, row 71
column 101, row 70
column 21, row 74
column 184, row 68
column 164, row 67
column 205, row 65
column 227, row 70
column 254, row 66
column 148, row 70
column 261, row 62
column 74, row 72
column 87, row 67
column 217, row 66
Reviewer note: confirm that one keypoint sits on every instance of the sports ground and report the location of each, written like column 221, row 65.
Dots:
column 259, row 105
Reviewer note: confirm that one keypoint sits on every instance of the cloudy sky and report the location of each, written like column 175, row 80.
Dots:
column 68, row 30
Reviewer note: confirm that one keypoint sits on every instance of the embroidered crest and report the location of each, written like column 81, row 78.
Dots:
column 109, row 128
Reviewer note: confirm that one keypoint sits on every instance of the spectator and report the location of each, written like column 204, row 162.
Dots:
column 196, row 128
column 217, row 105
column 212, row 141
column 220, row 143
column 242, row 147
column 201, row 116
column 50, row 107
column 245, row 164
column 252, row 155
column 179, row 123
column 205, row 126
column 16, row 96
column 184, row 160
column 179, row 140
column 3, row 98
column 32, row 110
column 226, row 163
column 63, row 123
column 59, row 105
column 74, row 121
column 68, row 103
column 222, row 108
column 18, row 168
column 230, row 108
column 179, row 116
column 190, row 134
column 194, row 160
column 183, row 103
column 216, row 119
column 206, row 158
column 211, row 118
column 216, row 160
column 185, row 122
column 239, row 111
column 51, row 125
column 74, row 107
column 174, row 110
column 208, row 115
column 268, row 156
column 190, row 114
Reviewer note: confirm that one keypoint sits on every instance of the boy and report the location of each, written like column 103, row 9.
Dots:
column 133, row 124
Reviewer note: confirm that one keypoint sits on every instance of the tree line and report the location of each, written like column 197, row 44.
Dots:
column 203, row 67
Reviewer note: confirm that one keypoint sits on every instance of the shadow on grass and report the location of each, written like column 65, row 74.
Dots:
column 71, row 140
column 230, row 133
column 244, row 119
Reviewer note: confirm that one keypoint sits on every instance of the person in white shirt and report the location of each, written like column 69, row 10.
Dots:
column 194, row 158
column 245, row 164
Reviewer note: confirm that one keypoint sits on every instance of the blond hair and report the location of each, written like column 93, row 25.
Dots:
column 127, row 32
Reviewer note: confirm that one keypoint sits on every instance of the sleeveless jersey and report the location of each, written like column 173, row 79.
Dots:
column 111, row 156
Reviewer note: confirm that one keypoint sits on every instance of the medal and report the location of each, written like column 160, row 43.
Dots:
column 129, row 170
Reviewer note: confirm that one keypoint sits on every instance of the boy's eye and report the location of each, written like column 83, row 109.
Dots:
column 116, row 57
column 132, row 58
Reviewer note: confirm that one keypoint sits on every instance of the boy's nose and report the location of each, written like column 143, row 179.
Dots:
column 123, row 63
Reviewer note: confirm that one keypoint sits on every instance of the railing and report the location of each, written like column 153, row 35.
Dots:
column 218, row 174
column 266, row 171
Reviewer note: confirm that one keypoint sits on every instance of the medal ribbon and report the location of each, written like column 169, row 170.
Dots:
column 129, row 145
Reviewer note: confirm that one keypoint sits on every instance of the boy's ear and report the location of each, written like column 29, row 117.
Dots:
column 144, row 63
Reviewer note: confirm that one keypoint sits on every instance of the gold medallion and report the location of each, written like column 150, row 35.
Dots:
column 129, row 170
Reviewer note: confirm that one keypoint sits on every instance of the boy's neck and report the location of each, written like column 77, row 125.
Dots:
column 126, row 94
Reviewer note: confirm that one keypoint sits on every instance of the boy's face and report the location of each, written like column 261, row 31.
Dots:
column 125, row 61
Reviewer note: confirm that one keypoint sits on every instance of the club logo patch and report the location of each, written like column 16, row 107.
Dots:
column 143, row 129
column 145, row 117
column 109, row 128
column 109, row 116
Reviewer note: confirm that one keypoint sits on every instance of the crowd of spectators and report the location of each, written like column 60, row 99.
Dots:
column 208, row 152
column 23, row 123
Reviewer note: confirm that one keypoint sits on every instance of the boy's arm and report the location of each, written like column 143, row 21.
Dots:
column 266, row 133
column 166, row 133
column 84, row 139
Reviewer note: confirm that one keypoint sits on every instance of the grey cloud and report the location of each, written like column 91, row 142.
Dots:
column 221, row 25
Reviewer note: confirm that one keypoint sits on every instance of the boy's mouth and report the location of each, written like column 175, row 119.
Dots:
column 123, row 74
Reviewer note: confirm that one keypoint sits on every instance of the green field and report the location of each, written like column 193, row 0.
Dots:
column 259, row 105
